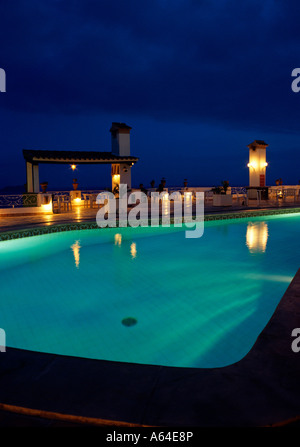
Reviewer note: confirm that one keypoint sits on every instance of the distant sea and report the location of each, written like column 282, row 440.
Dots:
column 20, row 189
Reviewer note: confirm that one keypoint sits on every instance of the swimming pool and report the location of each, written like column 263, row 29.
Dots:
column 148, row 295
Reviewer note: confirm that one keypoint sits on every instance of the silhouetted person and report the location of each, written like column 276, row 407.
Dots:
column 144, row 190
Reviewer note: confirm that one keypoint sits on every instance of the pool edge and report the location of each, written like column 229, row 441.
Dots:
column 259, row 390
column 40, row 229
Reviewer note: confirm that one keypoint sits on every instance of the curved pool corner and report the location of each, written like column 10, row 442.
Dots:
column 259, row 390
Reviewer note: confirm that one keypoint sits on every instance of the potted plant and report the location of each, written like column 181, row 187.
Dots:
column 220, row 195
column 75, row 184
column 185, row 183
column 225, row 185
column 44, row 186
column 152, row 183
column 115, row 191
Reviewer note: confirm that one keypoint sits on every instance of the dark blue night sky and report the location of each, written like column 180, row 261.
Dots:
column 198, row 80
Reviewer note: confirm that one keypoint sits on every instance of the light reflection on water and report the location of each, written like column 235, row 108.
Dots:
column 257, row 237
column 190, row 297
column 76, row 252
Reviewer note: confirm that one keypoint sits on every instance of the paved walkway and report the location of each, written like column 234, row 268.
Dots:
column 81, row 214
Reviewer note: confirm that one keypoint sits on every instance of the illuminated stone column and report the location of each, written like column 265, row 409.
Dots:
column 120, row 145
column 125, row 175
column 120, row 139
column 257, row 163
column 115, row 177
column 36, row 179
column 29, row 177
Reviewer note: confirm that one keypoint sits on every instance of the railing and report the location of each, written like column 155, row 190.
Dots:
column 238, row 190
column 86, row 191
column 277, row 196
column 18, row 200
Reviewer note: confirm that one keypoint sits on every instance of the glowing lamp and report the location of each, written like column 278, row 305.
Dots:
column 252, row 165
column 47, row 207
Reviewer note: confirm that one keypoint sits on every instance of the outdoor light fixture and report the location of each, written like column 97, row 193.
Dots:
column 252, row 165
column 46, row 207
column 73, row 167
column 257, row 164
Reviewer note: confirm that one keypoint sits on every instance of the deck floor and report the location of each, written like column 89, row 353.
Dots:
column 80, row 214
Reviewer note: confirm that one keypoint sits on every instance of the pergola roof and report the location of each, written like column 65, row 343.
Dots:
column 75, row 157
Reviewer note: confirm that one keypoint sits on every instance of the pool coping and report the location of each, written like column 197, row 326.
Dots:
column 260, row 390
column 40, row 229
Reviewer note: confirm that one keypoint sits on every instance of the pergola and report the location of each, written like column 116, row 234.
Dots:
column 119, row 158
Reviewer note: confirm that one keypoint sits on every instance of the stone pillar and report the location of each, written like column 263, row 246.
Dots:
column 257, row 163
column 115, row 176
column 120, row 145
column 120, row 139
column 125, row 175
column 36, row 179
column 29, row 177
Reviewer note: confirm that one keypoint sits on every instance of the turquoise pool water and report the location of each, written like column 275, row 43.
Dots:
column 148, row 295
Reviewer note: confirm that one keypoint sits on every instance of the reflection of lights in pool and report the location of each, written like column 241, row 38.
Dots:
column 264, row 277
column 133, row 249
column 118, row 239
column 129, row 321
column 154, row 308
column 257, row 237
column 76, row 249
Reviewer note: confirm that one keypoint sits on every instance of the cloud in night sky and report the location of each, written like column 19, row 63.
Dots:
column 214, row 65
